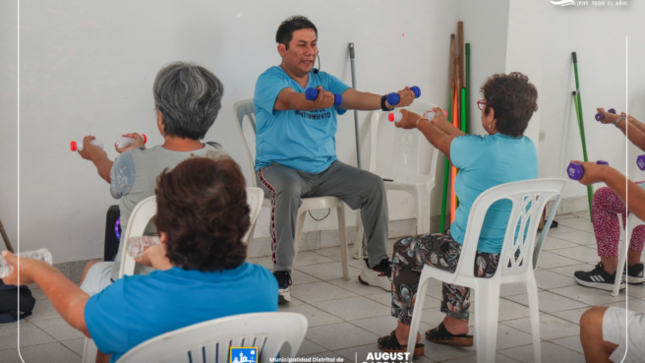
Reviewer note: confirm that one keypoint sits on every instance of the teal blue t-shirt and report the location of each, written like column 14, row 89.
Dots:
column 137, row 308
column 303, row 140
column 486, row 162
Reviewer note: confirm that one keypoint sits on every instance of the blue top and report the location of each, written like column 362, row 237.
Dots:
column 486, row 162
column 303, row 140
column 137, row 308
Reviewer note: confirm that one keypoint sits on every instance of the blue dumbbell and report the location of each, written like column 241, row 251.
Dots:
column 393, row 98
column 311, row 94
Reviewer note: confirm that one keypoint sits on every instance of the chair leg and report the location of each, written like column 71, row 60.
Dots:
column 534, row 311
column 342, row 235
column 90, row 351
column 416, row 313
column 423, row 209
column 296, row 241
column 622, row 248
column 486, row 320
column 360, row 231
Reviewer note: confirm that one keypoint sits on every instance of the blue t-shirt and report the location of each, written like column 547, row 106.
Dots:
column 486, row 162
column 303, row 140
column 137, row 308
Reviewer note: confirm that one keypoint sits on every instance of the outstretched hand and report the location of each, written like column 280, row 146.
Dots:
column 594, row 173
column 91, row 152
column 325, row 99
column 609, row 118
column 138, row 142
column 408, row 120
column 406, row 97
column 26, row 265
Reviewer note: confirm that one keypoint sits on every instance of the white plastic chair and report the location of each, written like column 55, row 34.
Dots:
column 210, row 342
column 246, row 108
column 139, row 219
column 524, row 218
column 406, row 157
column 623, row 243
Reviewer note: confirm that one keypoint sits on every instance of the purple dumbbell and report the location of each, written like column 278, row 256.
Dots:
column 576, row 171
column 640, row 162
column 311, row 94
column 393, row 98
column 600, row 116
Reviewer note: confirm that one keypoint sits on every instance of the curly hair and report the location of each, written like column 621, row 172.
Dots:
column 514, row 100
column 202, row 209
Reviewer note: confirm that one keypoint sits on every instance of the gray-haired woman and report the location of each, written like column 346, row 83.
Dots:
column 187, row 100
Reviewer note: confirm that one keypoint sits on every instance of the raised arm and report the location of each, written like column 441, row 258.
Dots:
column 636, row 134
column 615, row 180
column 97, row 156
column 66, row 297
column 365, row 101
column 288, row 99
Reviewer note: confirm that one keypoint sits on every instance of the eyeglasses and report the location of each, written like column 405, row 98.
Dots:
column 481, row 104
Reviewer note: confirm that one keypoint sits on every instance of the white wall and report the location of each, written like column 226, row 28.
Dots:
column 89, row 67
column 8, row 120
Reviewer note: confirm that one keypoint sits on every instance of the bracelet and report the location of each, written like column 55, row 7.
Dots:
column 420, row 118
column 619, row 119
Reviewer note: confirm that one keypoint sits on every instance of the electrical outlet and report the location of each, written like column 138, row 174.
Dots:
column 542, row 136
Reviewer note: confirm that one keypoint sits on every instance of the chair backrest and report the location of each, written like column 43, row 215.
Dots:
column 398, row 152
column 146, row 209
column 210, row 342
column 529, row 199
column 139, row 218
column 242, row 109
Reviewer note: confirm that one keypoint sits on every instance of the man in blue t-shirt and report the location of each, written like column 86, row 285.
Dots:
column 202, row 216
column 296, row 151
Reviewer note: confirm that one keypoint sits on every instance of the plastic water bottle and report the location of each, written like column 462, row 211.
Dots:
column 397, row 116
column 576, row 171
column 123, row 141
column 393, row 98
column 42, row 254
column 136, row 245
column 78, row 145
column 311, row 94
column 600, row 116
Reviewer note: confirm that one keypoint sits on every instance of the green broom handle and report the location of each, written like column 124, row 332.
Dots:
column 446, row 180
column 578, row 102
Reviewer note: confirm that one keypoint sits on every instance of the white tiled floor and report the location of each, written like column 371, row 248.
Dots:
column 346, row 318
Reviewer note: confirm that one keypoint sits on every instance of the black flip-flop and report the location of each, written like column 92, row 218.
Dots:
column 390, row 344
column 441, row 335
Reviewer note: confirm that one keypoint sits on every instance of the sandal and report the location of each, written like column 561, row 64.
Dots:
column 389, row 343
column 441, row 335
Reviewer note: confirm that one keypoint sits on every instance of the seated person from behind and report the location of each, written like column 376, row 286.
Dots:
column 187, row 99
column 505, row 155
column 200, row 272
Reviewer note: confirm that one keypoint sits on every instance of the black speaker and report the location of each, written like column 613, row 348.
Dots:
column 112, row 233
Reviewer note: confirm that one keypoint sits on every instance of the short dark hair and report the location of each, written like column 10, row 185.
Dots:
column 514, row 100
column 189, row 97
column 293, row 23
column 202, row 209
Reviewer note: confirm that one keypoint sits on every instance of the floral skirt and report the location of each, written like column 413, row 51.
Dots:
column 440, row 251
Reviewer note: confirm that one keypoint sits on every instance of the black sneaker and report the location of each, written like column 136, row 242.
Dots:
column 634, row 274
column 598, row 278
column 378, row 276
column 284, row 284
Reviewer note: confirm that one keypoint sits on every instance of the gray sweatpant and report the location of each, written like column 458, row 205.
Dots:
column 356, row 187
